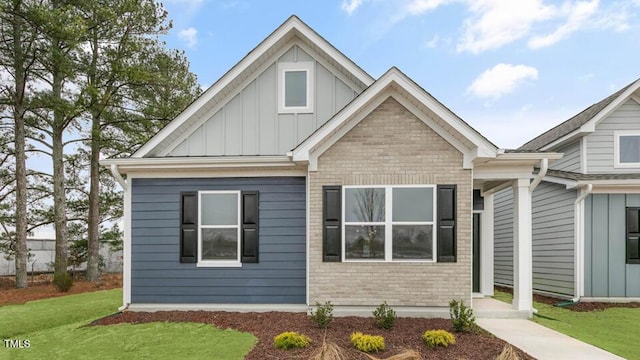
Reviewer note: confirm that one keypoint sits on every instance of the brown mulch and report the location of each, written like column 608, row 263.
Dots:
column 44, row 288
column 583, row 306
column 406, row 334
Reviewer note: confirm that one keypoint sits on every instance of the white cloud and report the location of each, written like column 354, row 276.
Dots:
column 501, row 80
column 419, row 7
column 433, row 42
column 578, row 15
column 189, row 36
column 349, row 6
column 498, row 22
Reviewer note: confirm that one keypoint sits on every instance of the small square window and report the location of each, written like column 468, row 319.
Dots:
column 295, row 87
column 627, row 149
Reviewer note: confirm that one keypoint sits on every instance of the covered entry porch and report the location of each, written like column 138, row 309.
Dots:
column 521, row 172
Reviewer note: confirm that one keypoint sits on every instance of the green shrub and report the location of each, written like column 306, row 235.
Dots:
column 461, row 316
column 367, row 343
column 385, row 316
column 63, row 281
column 323, row 314
column 289, row 340
column 433, row 338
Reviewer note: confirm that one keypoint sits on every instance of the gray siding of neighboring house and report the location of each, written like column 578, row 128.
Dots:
column 552, row 241
column 250, row 123
column 503, row 237
column 553, row 208
column 606, row 272
column 159, row 277
column 571, row 159
column 600, row 144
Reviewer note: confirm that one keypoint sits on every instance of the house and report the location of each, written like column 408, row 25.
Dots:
column 298, row 178
column 586, row 209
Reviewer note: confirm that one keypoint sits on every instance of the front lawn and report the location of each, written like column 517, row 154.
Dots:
column 56, row 329
column 615, row 329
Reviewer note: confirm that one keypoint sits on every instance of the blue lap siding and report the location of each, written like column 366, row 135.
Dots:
column 159, row 277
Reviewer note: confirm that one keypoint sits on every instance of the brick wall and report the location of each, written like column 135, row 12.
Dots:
column 390, row 147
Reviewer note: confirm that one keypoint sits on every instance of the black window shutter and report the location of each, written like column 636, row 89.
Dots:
column 249, row 227
column 331, row 220
column 188, row 227
column 446, row 213
column 633, row 235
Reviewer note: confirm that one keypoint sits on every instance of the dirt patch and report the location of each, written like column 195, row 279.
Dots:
column 580, row 307
column 43, row 288
column 405, row 335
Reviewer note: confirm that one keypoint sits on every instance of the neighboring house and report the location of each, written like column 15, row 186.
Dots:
column 298, row 178
column 586, row 211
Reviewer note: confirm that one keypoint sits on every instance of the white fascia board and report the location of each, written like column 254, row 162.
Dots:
column 378, row 89
column 590, row 126
column 192, row 163
column 293, row 23
column 570, row 184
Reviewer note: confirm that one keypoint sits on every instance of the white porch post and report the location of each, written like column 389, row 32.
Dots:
column 486, row 246
column 522, row 246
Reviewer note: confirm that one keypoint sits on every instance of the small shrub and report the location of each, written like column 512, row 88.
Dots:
column 328, row 351
column 323, row 314
column 433, row 338
column 63, row 281
column 385, row 316
column 508, row 354
column 289, row 340
column 367, row 343
column 461, row 316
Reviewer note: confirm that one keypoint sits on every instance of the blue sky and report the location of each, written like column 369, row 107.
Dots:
column 512, row 69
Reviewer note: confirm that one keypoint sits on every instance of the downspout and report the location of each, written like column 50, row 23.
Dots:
column 116, row 174
column 578, row 251
column 544, row 166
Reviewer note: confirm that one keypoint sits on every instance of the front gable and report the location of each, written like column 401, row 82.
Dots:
column 240, row 113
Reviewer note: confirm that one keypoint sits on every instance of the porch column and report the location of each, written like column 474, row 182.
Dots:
column 522, row 246
column 486, row 246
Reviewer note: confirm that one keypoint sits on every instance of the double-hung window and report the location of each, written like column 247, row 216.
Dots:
column 627, row 149
column 389, row 223
column 295, row 87
column 219, row 228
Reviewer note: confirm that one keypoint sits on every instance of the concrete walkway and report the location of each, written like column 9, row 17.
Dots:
column 541, row 342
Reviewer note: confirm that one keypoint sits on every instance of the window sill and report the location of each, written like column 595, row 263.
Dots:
column 219, row 264
column 389, row 262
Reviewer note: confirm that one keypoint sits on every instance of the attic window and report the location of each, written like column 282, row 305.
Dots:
column 295, row 87
column 627, row 149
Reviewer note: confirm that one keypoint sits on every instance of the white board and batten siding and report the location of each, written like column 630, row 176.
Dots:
column 249, row 124
column 552, row 241
column 600, row 144
column 570, row 160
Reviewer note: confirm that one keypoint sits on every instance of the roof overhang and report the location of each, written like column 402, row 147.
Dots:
column 416, row 100
column 176, row 164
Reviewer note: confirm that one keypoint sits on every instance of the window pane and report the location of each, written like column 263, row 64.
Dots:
column 413, row 204
column 630, row 149
column 412, row 242
column 364, row 242
column 364, row 205
column 295, row 88
column 219, row 209
column 219, row 244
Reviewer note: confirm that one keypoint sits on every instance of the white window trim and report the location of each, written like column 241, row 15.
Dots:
column 389, row 223
column 616, row 148
column 217, row 263
column 307, row 67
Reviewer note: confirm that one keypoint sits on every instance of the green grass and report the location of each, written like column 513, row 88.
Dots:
column 54, row 312
column 56, row 329
column 615, row 329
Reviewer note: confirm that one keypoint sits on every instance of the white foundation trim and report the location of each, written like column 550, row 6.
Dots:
column 621, row 300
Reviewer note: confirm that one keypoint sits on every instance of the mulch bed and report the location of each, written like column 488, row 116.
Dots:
column 580, row 306
column 405, row 335
column 43, row 288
